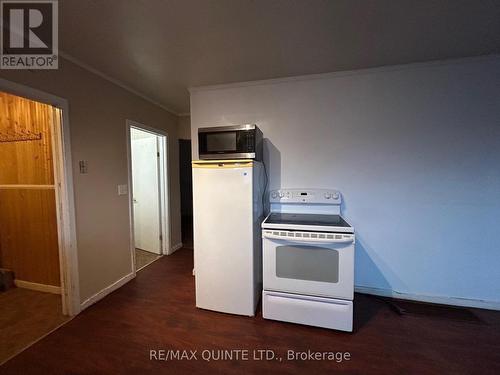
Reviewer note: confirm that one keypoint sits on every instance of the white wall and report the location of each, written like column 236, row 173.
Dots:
column 415, row 151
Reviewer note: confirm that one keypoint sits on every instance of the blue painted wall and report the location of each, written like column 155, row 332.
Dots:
column 415, row 151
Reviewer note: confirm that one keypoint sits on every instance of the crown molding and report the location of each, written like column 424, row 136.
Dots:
column 87, row 67
column 344, row 73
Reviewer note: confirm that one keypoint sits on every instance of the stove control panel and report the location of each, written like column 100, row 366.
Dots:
column 305, row 196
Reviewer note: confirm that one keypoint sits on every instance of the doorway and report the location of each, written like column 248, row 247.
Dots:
column 34, row 298
column 149, row 194
column 186, row 184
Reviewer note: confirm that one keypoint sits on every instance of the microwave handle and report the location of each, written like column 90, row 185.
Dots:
column 343, row 240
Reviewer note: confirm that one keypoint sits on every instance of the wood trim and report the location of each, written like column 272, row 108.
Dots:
column 68, row 246
column 165, row 193
column 174, row 248
column 103, row 293
column 128, row 126
column 34, row 187
column 38, row 287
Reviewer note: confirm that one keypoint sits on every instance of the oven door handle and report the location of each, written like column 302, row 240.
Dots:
column 346, row 238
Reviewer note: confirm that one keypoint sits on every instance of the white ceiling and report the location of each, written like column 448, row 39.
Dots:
column 161, row 47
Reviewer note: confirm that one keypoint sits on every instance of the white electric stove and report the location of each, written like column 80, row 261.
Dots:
column 308, row 259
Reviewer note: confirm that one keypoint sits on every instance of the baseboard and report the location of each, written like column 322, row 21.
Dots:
column 103, row 293
column 453, row 301
column 174, row 248
column 38, row 287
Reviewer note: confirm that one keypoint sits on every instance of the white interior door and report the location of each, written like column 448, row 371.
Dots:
column 146, row 190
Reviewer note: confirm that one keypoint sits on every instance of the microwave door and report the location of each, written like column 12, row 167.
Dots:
column 223, row 145
column 217, row 144
column 221, row 142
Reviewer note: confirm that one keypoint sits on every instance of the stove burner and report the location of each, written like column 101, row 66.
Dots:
column 306, row 219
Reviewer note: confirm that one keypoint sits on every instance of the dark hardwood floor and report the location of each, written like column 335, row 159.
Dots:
column 25, row 316
column 157, row 311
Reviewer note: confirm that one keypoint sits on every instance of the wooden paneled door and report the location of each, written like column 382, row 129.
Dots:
column 28, row 219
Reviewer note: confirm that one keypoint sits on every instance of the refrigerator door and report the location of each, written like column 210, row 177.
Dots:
column 223, row 236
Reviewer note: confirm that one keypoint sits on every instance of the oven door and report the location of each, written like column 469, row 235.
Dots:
column 318, row 266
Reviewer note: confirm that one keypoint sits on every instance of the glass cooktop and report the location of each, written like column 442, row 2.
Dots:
column 306, row 219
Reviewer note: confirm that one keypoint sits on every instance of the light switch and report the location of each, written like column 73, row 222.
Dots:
column 123, row 189
column 83, row 165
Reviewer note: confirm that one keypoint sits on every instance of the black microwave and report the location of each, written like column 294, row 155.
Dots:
column 230, row 142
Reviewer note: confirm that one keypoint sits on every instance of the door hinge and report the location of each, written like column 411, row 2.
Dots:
column 158, row 154
column 161, row 238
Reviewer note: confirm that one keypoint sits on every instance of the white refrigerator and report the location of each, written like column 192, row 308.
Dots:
column 228, row 209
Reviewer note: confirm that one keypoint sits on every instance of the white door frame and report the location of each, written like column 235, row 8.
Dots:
column 65, row 204
column 165, row 222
